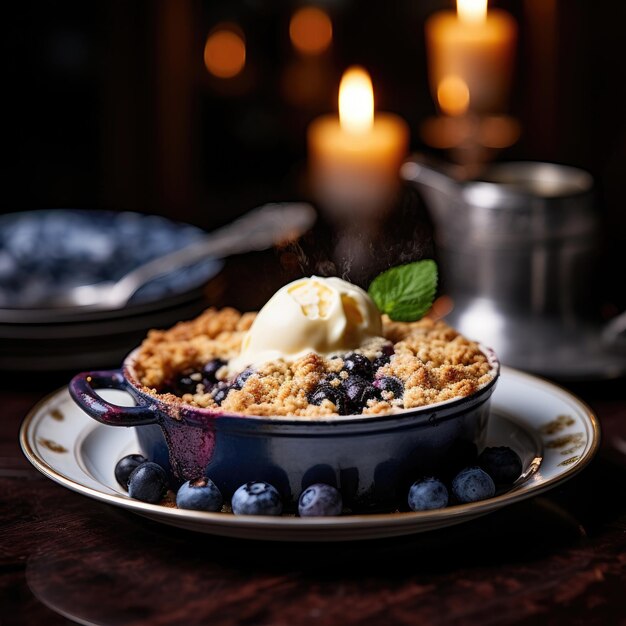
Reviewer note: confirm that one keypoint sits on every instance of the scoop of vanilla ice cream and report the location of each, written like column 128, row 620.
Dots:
column 322, row 315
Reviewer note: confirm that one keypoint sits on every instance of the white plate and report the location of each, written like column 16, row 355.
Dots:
column 554, row 433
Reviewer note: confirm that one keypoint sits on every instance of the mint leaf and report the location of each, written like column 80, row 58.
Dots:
column 405, row 292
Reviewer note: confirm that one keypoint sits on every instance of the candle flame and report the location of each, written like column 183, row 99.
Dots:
column 356, row 101
column 471, row 11
column 453, row 95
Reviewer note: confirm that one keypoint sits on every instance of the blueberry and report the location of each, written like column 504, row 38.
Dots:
column 240, row 381
column 210, row 370
column 125, row 466
column 380, row 361
column 147, row 483
column 331, row 377
column 336, row 395
column 200, row 494
column 355, row 363
column 359, row 391
column 219, row 393
column 187, row 383
column 390, row 383
column 427, row 494
column 320, row 500
column 388, row 349
column 256, row 498
column 501, row 463
column 472, row 484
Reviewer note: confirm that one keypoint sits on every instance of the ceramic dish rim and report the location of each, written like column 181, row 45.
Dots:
column 191, row 411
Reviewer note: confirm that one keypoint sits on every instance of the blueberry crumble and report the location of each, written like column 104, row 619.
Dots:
column 317, row 349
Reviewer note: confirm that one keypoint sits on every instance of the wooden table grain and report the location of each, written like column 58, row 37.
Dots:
column 559, row 558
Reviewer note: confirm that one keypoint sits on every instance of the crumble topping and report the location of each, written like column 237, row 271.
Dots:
column 433, row 362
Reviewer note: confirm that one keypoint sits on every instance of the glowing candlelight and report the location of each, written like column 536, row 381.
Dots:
column 476, row 46
column 311, row 31
column 356, row 102
column 225, row 52
column 472, row 11
column 453, row 95
column 355, row 157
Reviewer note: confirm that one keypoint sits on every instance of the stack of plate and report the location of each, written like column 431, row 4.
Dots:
column 44, row 253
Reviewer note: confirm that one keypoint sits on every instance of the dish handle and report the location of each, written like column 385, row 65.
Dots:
column 82, row 389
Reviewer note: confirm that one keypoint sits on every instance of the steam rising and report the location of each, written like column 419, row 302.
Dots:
column 359, row 251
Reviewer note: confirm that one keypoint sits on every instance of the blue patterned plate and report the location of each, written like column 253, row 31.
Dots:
column 43, row 253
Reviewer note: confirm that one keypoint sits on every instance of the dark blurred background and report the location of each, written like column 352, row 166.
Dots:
column 111, row 106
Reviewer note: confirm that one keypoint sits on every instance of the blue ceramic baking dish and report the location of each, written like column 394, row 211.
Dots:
column 371, row 459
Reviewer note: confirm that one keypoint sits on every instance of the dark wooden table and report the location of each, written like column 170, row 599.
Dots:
column 555, row 559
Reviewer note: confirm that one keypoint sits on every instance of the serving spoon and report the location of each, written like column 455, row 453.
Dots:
column 259, row 229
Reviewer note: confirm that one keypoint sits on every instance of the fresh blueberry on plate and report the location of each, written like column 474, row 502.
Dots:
column 256, row 498
column 200, row 494
column 148, row 483
column 501, row 463
column 320, row 500
column 472, row 484
column 125, row 466
column 427, row 494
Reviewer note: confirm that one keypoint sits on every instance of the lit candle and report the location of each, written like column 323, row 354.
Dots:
column 475, row 46
column 355, row 158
